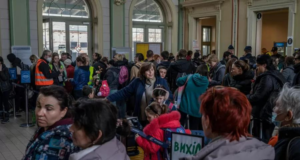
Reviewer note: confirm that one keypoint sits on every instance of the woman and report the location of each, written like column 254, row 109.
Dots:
column 52, row 140
column 225, row 119
column 195, row 86
column 81, row 76
column 287, row 116
column 96, row 58
column 228, row 77
column 159, row 118
column 242, row 76
column 142, row 87
column 5, row 88
column 33, row 59
column 70, row 74
column 55, row 65
column 94, row 131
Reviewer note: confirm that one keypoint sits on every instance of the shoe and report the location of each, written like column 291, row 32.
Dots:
column 5, row 120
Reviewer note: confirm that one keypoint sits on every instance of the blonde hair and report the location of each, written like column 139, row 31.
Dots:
column 34, row 57
column 212, row 58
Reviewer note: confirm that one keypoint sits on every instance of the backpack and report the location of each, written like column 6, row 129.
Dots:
column 104, row 89
column 123, row 76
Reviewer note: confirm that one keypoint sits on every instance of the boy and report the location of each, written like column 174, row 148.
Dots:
column 162, row 71
column 87, row 92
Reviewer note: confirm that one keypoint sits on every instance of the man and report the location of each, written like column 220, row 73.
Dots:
column 43, row 74
column 296, row 81
column 64, row 56
column 266, row 87
column 248, row 57
column 165, row 62
column 139, row 57
column 275, row 53
column 178, row 69
column 231, row 50
column 217, row 70
column 226, row 58
column 150, row 57
column 289, row 71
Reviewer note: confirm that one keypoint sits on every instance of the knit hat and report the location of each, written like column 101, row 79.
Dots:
column 11, row 57
column 230, row 47
column 67, row 62
column 248, row 48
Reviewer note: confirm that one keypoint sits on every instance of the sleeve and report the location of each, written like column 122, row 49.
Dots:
column 4, row 75
column 219, row 78
column 148, row 145
column 181, row 81
column 294, row 150
column 263, row 90
column 285, row 74
column 45, row 69
column 124, row 93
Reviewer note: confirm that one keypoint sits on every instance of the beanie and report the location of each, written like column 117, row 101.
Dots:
column 67, row 62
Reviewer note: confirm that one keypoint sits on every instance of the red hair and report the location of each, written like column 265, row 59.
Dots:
column 228, row 111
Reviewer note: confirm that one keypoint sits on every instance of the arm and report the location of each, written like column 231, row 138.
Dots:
column 148, row 145
column 125, row 92
column 45, row 69
column 181, row 81
column 263, row 90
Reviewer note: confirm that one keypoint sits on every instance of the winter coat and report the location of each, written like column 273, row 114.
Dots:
column 180, row 66
column 111, row 150
column 102, row 65
column 154, row 129
column 137, row 88
column 227, row 80
column 81, row 77
column 55, row 143
column 135, row 69
column 217, row 75
column 112, row 77
column 243, row 82
column 195, row 87
column 247, row 148
column 62, row 66
column 70, row 74
column 4, row 78
column 251, row 59
column 289, row 74
column 265, row 89
column 286, row 134
column 296, row 81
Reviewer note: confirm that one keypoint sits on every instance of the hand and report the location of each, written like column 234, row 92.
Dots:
column 136, row 136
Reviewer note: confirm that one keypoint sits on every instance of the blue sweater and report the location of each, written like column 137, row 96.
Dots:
column 81, row 77
column 137, row 88
column 195, row 87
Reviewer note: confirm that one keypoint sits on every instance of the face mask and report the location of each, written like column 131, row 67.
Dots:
column 276, row 123
column 49, row 59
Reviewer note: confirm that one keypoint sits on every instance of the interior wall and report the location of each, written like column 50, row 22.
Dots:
column 4, row 26
column 274, row 29
column 210, row 22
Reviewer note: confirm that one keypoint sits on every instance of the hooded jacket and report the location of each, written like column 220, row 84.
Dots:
column 218, row 73
column 55, row 143
column 289, row 74
column 111, row 150
column 243, row 82
column 246, row 148
column 195, row 87
column 180, row 66
column 81, row 77
column 154, row 129
column 296, row 80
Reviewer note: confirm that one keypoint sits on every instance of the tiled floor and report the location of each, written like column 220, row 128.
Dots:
column 13, row 139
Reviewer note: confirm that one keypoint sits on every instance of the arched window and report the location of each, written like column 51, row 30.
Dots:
column 148, row 22
column 66, row 26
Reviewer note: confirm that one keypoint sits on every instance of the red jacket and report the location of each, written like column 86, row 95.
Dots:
column 154, row 129
column 70, row 74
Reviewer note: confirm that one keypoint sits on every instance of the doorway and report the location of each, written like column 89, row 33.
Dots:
column 207, row 35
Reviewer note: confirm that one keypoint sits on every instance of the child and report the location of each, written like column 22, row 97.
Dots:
column 87, row 92
column 161, row 95
column 159, row 119
column 162, row 71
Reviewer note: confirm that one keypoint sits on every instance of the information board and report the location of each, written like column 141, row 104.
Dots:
column 184, row 145
column 22, row 52
column 141, row 47
column 12, row 73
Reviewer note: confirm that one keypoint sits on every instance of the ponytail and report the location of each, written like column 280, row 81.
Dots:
column 157, row 109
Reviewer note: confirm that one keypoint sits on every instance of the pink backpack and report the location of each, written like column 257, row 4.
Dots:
column 123, row 76
column 104, row 89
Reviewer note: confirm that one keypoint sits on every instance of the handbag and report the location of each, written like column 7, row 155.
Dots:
column 179, row 92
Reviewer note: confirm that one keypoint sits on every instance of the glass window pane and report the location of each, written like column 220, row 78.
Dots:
column 78, row 39
column 59, row 37
column 66, row 8
column 46, row 42
column 147, row 11
column 206, row 34
column 154, row 35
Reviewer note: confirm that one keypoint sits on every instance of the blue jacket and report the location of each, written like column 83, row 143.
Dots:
column 195, row 87
column 137, row 88
column 81, row 77
column 55, row 143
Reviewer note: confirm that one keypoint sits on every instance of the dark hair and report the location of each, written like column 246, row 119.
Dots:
column 213, row 51
column 59, row 93
column 159, row 91
column 266, row 59
column 229, row 65
column 196, row 55
column 140, row 56
column 111, row 62
column 45, row 52
column 226, row 54
column 65, row 54
column 243, row 65
column 104, row 59
column 150, row 53
column 81, row 59
column 182, row 53
column 289, row 60
column 86, row 90
column 156, row 109
column 203, row 70
column 297, row 54
column 98, row 55
column 94, row 115
column 190, row 53
column 165, row 55
column 1, row 60
column 55, row 55
column 145, row 67
column 161, row 67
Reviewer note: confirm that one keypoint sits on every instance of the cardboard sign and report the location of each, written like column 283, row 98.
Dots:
column 184, row 145
column 25, row 77
column 12, row 73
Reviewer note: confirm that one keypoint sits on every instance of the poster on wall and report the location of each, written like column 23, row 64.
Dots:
column 195, row 45
column 156, row 48
column 22, row 52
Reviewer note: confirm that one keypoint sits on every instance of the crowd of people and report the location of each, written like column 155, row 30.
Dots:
column 82, row 105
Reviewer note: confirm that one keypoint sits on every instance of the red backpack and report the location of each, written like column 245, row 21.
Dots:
column 123, row 76
column 104, row 89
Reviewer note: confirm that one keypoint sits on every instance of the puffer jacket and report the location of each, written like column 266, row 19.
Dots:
column 289, row 74
column 296, row 81
column 81, row 77
column 55, row 143
column 217, row 74
column 247, row 148
column 154, row 129
column 243, row 82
